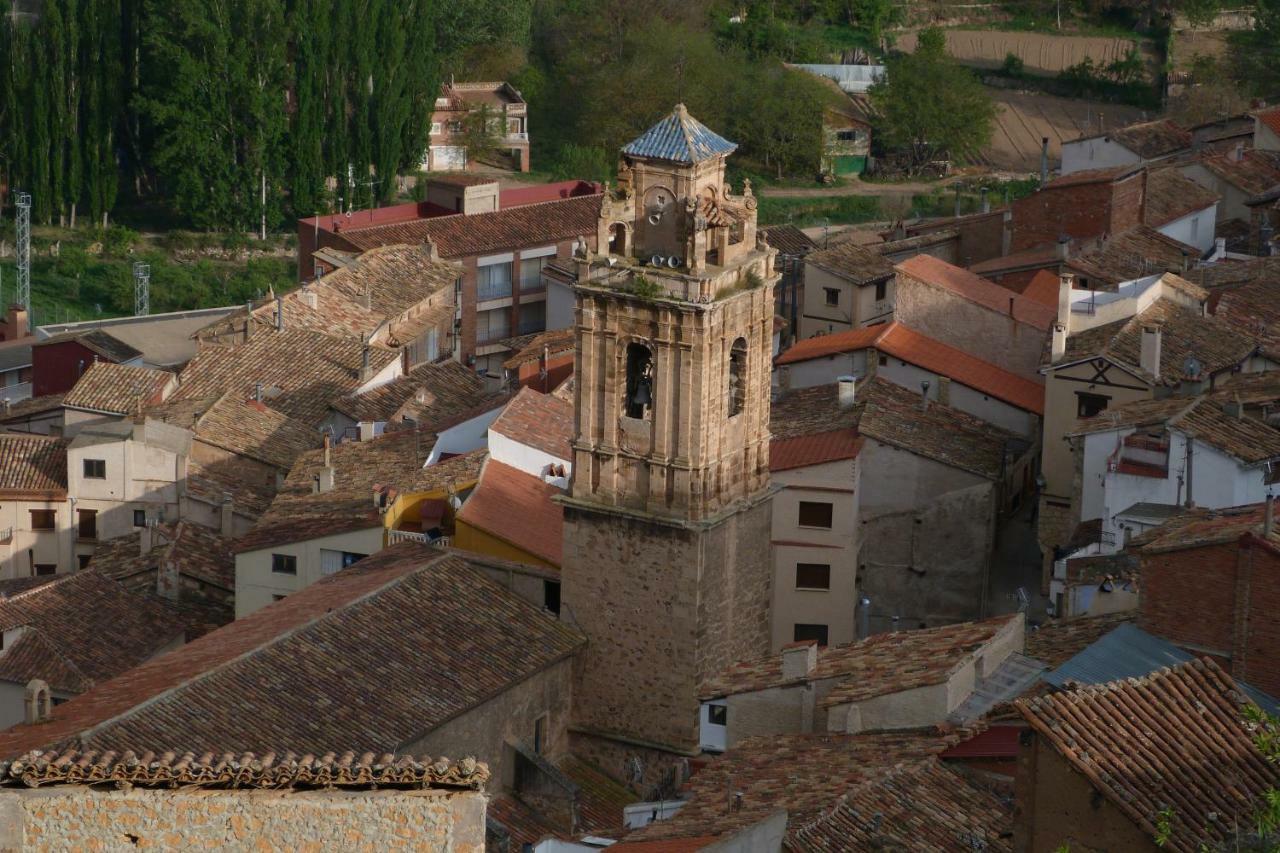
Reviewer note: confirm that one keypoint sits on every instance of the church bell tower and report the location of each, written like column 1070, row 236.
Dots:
column 667, row 561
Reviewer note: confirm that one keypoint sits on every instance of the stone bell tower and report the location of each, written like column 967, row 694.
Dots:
column 667, row 562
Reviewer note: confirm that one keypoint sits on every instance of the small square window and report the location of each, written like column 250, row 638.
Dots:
column 813, row 576
column 815, row 514
column 811, row 632
column 833, row 295
column 284, row 564
column 1088, row 405
column 275, row 598
column 95, row 469
column 718, row 715
column 884, row 361
column 43, row 569
column 139, row 518
column 44, row 519
column 83, row 560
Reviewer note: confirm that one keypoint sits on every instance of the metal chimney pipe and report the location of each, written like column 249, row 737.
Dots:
column 1044, row 160
column 279, row 313
column 864, row 618
column 986, row 205
column 1269, row 516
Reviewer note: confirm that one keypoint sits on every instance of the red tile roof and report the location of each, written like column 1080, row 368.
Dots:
column 805, row 450
column 33, row 466
column 1174, row 740
column 518, row 509
column 538, row 420
column 372, row 657
column 977, row 289
column 1270, row 118
column 117, row 388
column 908, row 345
column 1151, row 139
column 1171, row 195
column 1093, row 176
column 1059, row 640
column 1043, row 288
column 924, row 806
column 670, row 845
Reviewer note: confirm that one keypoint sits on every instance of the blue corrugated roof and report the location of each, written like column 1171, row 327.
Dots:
column 679, row 138
column 1130, row 652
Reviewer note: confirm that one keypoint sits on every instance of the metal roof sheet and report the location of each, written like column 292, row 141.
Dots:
column 1130, row 652
column 679, row 138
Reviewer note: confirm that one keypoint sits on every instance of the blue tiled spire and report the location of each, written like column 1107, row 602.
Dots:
column 679, row 138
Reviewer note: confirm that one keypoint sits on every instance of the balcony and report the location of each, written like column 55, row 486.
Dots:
column 486, row 293
column 1142, row 456
column 490, row 336
column 530, row 327
column 516, row 137
column 397, row 536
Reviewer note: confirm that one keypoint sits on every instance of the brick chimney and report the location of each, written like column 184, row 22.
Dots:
column 228, row 521
column 146, row 538
column 279, row 313
column 1062, row 327
column 799, row 659
column 366, row 370
column 847, row 389
column 18, row 323
column 1149, row 357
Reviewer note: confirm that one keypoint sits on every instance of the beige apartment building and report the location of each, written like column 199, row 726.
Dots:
column 846, row 286
column 34, row 514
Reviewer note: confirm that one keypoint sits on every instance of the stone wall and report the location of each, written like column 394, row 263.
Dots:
column 664, row 606
column 79, row 818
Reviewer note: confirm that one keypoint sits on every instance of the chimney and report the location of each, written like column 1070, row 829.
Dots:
column 847, row 389
column 799, row 659
column 279, row 313
column 1238, row 154
column 310, row 298
column 986, row 203
column 864, row 617
column 944, row 390
column 1149, row 358
column 1064, row 247
column 327, row 445
column 228, row 526
column 1058, row 348
column 1010, row 306
column 18, row 322
column 1268, row 516
column 37, row 702
column 324, row 480
column 1044, row 160
column 1233, row 408
column 146, row 538
column 366, row 371
column 257, row 392
column 924, row 395
column 366, row 431
column 248, row 320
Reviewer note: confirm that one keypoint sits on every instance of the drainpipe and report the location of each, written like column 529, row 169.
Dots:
column 1190, row 439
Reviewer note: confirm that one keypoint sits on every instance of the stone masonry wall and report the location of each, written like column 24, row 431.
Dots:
column 80, row 818
column 663, row 606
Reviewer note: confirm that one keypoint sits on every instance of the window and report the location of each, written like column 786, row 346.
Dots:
column 884, row 361
column 813, row 576
column 95, row 469
column 44, row 519
column 533, row 317
column 737, row 376
column 815, row 514
column 455, row 127
column 435, row 127
column 87, row 523
column 139, row 518
column 833, row 295
column 1088, row 405
column 1195, row 228
column 551, row 596
column 493, row 325
column 82, row 560
column 42, row 569
column 531, row 272
column 275, row 598
column 639, row 399
column 882, row 289
column 284, row 564
column 493, row 281
column 718, row 715
column 540, row 734
column 333, row 561
column 811, row 632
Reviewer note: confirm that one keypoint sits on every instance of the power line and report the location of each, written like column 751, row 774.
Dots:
column 23, row 295
column 141, row 289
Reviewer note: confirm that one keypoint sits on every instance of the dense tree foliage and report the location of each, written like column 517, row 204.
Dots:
column 1256, row 52
column 229, row 113
column 929, row 106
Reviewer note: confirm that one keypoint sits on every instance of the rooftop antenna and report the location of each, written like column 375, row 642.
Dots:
column 141, row 289
column 23, row 296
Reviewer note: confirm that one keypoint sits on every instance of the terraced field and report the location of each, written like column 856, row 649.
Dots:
column 1025, row 117
column 1040, row 53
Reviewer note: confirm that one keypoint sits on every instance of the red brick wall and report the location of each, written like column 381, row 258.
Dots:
column 1189, row 596
column 57, row 367
column 1082, row 210
column 1257, row 656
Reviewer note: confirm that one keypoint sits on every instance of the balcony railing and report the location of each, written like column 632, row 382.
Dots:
column 532, row 326
column 396, row 536
column 501, row 291
column 489, row 336
column 517, row 137
column 6, row 534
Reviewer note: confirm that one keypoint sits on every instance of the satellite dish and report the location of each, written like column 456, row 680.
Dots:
column 1192, row 366
column 612, row 260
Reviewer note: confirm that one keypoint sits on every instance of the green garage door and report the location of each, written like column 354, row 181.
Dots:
column 850, row 164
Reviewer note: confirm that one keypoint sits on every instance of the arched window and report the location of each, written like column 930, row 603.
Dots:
column 639, row 400
column 618, row 239
column 737, row 376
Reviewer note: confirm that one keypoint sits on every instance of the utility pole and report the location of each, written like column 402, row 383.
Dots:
column 141, row 289
column 263, row 235
column 23, row 295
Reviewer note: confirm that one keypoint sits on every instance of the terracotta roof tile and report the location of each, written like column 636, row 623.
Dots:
column 669, row 845
column 517, row 508
column 1214, row 342
column 820, row 346
column 396, row 460
column 977, row 289
column 521, row 823
column 923, row 806
column 1247, row 439
column 1152, row 139
column 1132, row 254
column 225, row 770
column 1252, row 307
column 373, row 657
column 805, row 450
column 1171, row 195
column 538, row 420
column 1198, row 527
column 244, row 427
column 72, row 616
column 859, row 264
column 555, row 341
column 461, row 235
column 24, row 409
column 1254, row 173
column 393, row 279
column 302, row 371
column 33, row 465
column 430, row 395
column 1059, row 640
column 1270, row 118
column 804, row 774
column 1174, row 740
column 198, row 552
column 1043, row 288
column 213, row 484
column 1035, row 257
column 118, row 389
column 896, row 416
column 877, row 666
column 1093, row 176
column 789, row 240
column 601, row 800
